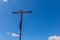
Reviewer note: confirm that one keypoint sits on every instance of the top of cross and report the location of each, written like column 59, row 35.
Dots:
column 21, row 12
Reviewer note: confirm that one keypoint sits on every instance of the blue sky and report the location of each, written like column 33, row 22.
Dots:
column 43, row 22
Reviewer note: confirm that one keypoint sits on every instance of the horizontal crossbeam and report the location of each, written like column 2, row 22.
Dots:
column 22, row 12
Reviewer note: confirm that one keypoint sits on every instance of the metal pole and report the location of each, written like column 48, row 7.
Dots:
column 21, row 27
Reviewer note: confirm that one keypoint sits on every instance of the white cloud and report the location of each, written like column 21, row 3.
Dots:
column 54, row 38
column 5, row 0
column 13, row 34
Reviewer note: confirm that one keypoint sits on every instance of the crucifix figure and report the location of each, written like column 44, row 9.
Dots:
column 20, row 25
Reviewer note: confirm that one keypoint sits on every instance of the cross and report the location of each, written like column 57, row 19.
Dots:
column 20, row 25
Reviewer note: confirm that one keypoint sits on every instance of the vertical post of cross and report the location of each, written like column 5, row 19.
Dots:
column 21, row 25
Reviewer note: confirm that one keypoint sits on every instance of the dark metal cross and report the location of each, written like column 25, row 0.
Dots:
column 20, row 25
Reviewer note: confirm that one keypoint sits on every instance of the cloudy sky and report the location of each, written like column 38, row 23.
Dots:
column 42, row 24
column 54, row 38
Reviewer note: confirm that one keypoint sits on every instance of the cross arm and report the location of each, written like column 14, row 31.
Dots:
column 28, row 12
column 15, row 12
column 22, row 12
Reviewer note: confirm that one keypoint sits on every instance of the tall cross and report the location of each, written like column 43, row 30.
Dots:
column 20, row 25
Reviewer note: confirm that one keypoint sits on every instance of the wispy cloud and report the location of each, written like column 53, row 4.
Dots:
column 5, row 0
column 13, row 34
column 8, row 33
column 54, row 38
